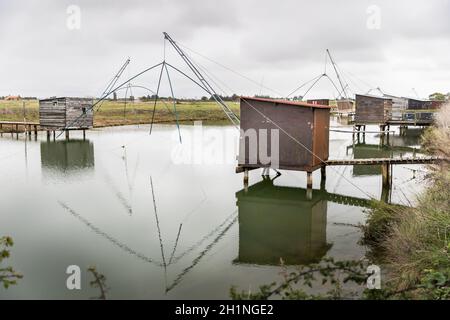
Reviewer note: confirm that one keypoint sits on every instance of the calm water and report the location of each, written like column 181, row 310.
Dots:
column 160, row 223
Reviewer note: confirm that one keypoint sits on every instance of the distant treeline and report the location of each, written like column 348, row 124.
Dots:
column 234, row 97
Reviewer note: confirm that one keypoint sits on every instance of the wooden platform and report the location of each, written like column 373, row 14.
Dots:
column 370, row 161
column 27, row 125
column 379, row 161
column 424, row 123
column 386, row 167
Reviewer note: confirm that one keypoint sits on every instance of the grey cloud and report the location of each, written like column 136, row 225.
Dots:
column 280, row 41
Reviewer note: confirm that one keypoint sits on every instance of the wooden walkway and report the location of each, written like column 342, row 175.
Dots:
column 424, row 123
column 19, row 123
column 385, row 161
column 27, row 125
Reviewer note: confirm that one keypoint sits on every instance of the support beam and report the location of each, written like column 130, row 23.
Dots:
column 309, row 182
column 67, row 135
column 246, row 179
column 323, row 176
column 385, row 173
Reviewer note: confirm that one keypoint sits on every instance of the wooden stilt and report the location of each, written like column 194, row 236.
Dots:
column 246, row 178
column 385, row 173
column 309, row 182
column 323, row 176
column 67, row 134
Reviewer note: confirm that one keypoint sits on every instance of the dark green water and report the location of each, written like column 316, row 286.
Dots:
column 159, row 227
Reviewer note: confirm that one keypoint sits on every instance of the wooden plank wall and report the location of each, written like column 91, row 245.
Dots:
column 344, row 105
column 52, row 113
column 414, row 104
column 78, row 114
column 372, row 109
column 398, row 106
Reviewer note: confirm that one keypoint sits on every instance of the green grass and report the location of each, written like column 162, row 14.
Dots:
column 113, row 113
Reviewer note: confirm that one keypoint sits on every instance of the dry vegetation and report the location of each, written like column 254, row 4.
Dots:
column 415, row 242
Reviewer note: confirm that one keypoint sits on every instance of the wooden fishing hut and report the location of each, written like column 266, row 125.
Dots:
column 66, row 113
column 372, row 109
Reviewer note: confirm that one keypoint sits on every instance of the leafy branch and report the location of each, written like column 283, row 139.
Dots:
column 99, row 282
column 7, row 274
column 329, row 271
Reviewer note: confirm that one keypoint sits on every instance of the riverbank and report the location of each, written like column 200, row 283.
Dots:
column 413, row 243
column 115, row 113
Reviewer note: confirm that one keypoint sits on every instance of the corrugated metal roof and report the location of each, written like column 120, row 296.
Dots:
column 373, row 96
column 287, row 102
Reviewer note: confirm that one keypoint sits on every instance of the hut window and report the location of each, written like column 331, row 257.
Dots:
column 55, row 103
column 83, row 109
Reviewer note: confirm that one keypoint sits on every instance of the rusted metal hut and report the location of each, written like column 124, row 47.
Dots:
column 303, row 134
column 66, row 113
column 372, row 109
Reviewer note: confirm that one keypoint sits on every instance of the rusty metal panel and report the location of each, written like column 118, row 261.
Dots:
column 295, row 123
column 321, row 136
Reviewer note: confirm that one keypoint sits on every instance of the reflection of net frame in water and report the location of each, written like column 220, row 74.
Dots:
column 221, row 229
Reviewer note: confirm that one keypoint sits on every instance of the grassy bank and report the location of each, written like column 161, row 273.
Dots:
column 414, row 243
column 113, row 113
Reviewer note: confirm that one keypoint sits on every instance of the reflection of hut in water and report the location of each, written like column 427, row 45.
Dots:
column 67, row 156
column 279, row 222
column 410, row 137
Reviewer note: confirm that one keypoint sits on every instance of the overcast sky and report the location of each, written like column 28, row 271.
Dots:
column 395, row 45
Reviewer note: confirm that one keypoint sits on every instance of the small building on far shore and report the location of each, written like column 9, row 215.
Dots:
column 12, row 98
